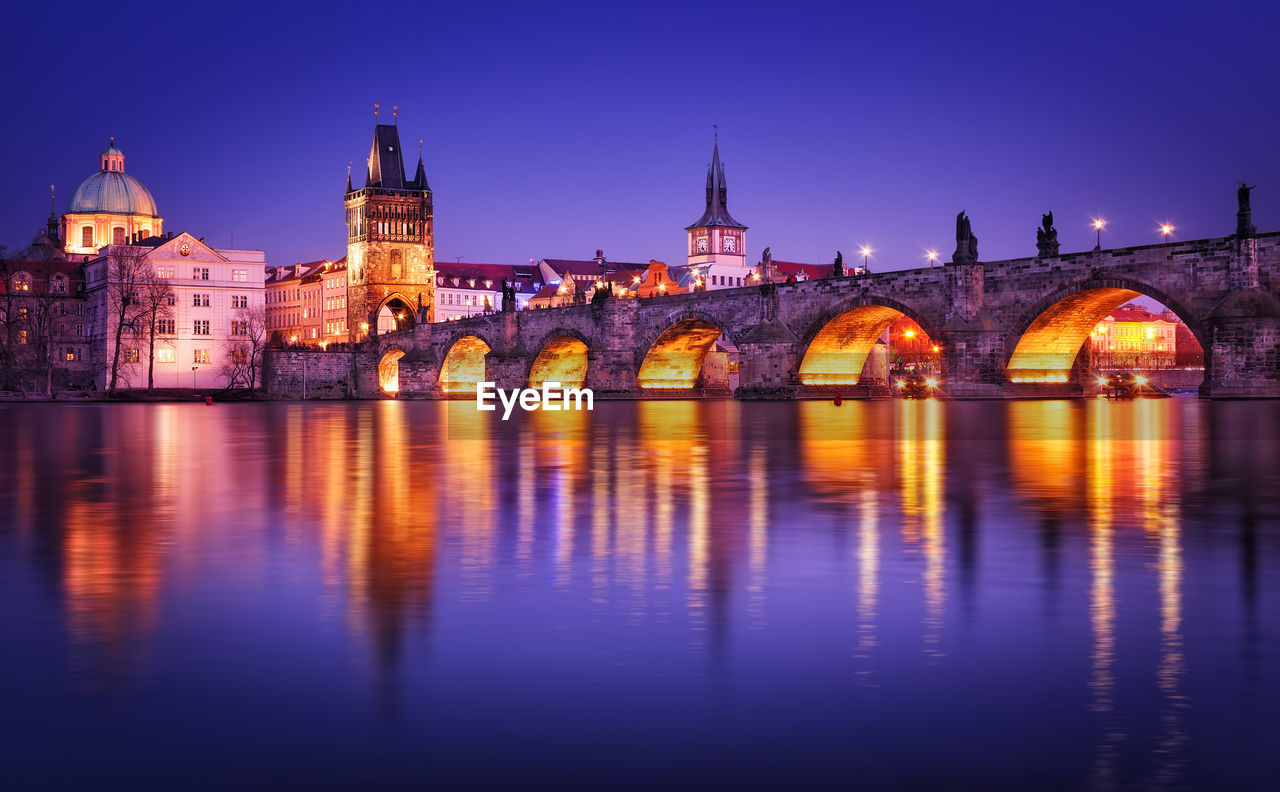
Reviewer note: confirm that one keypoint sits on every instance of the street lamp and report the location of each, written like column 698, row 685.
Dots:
column 866, row 258
column 932, row 255
column 1165, row 230
column 1098, row 225
column 193, row 377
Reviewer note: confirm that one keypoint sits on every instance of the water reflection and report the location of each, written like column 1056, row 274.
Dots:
column 795, row 553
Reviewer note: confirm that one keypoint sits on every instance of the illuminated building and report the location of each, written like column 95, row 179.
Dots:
column 214, row 292
column 307, row 303
column 464, row 290
column 42, row 321
column 390, row 242
column 110, row 207
column 1132, row 336
column 717, row 242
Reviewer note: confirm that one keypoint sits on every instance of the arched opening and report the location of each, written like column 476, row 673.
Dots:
column 389, row 371
column 464, row 365
column 868, row 343
column 395, row 314
column 562, row 360
column 1101, row 333
column 689, row 354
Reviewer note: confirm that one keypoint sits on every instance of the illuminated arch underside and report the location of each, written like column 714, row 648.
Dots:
column 464, row 365
column 389, row 371
column 1048, row 348
column 675, row 359
column 562, row 360
column 838, row 352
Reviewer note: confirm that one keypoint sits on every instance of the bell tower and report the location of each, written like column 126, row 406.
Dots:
column 716, row 241
column 390, row 242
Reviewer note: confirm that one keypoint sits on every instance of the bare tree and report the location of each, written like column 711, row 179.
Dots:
column 127, row 270
column 244, row 346
column 8, row 324
column 156, row 306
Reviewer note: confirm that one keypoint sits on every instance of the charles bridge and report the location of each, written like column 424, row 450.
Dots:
column 1004, row 329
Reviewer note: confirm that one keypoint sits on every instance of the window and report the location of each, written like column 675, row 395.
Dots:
column 59, row 284
column 164, row 271
column 200, row 356
column 23, row 314
column 200, row 300
column 239, row 328
column 239, row 301
column 166, row 326
column 171, row 299
column 164, row 355
column 86, row 236
column 199, row 273
column 22, row 282
column 117, row 235
column 22, row 337
column 201, row 327
column 131, row 355
column 71, row 356
column 239, row 356
column 240, row 276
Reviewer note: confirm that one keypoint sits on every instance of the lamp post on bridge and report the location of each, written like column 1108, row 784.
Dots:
column 1098, row 225
column 1165, row 230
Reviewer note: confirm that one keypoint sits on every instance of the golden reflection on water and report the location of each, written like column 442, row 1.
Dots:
column 380, row 491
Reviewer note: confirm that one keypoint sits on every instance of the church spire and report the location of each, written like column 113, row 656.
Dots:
column 348, row 177
column 420, row 177
column 717, row 213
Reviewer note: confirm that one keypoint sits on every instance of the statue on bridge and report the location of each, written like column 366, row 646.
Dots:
column 837, row 266
column 1047, row 237
column 966, row 242
column 508, row 296
column 1244, row 212
column 765, row 268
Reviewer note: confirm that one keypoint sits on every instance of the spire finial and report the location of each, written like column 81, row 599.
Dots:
column 395, row 114
column 375, row 112
column 53, row 201
column 716, row 133
column 419, row 148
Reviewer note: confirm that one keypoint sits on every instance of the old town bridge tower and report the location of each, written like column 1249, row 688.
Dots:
column 390, row 242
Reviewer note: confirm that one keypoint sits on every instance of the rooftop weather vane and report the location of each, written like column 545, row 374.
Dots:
column 395, row 114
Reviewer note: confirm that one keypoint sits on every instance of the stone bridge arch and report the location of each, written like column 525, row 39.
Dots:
column 462, row 361
column 562, row 355
column 1043, row 342
column 834, row 347
column 673, row 352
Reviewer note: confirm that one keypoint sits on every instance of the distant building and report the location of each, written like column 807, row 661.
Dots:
column 44, row 344
column 717, row 242
column 1133, row 337
column 464, row 290
column 215, row 293
column 109, row 207
column 390, row 242
column 307, row 303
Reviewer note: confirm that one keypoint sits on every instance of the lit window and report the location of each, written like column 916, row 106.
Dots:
column 200, row 356
column 131, row 355
column 164, row 271
column 240, row 276
column 22, row 282
column 71, row 355
column 164, row 355
column 239, row 328
column 86, row 236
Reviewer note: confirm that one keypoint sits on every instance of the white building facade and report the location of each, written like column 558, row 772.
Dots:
column 216, row 294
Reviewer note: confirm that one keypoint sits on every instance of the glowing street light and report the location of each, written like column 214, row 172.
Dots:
column 866, row 258
column 1165, row 230
column 1098, row 225
column 932, row 255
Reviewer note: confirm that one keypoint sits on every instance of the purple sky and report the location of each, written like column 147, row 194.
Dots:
column 551, row 129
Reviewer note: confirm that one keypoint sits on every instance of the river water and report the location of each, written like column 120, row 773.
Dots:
column 1028, row 595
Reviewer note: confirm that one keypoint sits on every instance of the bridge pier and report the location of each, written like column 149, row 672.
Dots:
column 1242, row 359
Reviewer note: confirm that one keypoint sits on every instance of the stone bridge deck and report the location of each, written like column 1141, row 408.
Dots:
column 1002, row 329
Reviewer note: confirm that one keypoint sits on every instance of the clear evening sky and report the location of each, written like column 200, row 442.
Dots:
column 553, row 129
